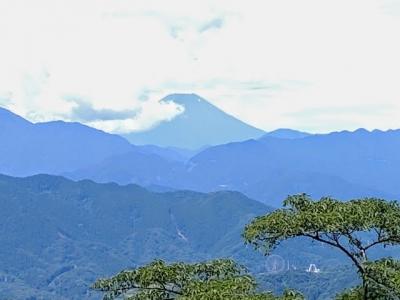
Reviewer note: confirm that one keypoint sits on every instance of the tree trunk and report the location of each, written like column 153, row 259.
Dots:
column 365, row 287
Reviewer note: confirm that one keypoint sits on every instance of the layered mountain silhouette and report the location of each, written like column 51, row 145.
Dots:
column 61, row 147
column 342, row 164
column 146, row 169
column 200, row 124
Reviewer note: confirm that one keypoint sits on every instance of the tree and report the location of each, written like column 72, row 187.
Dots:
column 353, row 227
column 215, row 280
column 383, row 281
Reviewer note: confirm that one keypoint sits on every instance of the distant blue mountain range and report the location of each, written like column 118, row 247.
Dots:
column 60, row 147
column 342, row 164
column 52, row 147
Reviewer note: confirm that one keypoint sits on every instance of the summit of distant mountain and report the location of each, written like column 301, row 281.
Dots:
column 200, row 124
column 187, row 99
column 285, row 133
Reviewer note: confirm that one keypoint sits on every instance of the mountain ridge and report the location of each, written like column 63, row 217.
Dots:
column 58, row 236
column 286, row 133
column 52, row 147
column 266, row 169
column 59, row 147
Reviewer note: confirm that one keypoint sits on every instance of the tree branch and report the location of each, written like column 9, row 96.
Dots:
column 337, row 244
column 381, row 241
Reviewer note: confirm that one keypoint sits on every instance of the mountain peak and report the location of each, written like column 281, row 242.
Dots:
column 285, row 133
column 200, row 124
column 362, row 131
column 188, row 101
column 182, row 98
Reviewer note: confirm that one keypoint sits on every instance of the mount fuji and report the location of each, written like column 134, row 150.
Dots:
column 200, row 124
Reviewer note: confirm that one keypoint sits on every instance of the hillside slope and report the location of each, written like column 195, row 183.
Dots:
column 57, row 236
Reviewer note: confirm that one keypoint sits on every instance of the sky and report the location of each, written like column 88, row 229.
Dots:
column 312, row 65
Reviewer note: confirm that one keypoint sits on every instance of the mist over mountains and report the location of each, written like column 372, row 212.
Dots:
column 341, row 164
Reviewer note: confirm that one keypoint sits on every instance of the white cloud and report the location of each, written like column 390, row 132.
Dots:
column 315, row 65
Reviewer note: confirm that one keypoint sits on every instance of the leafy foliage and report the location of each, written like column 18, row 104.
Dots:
column 216, row 280
column 353, row 227
column 382, row 279
column 329, row 221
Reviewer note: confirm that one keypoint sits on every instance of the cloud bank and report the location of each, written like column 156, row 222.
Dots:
column 313, row 65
